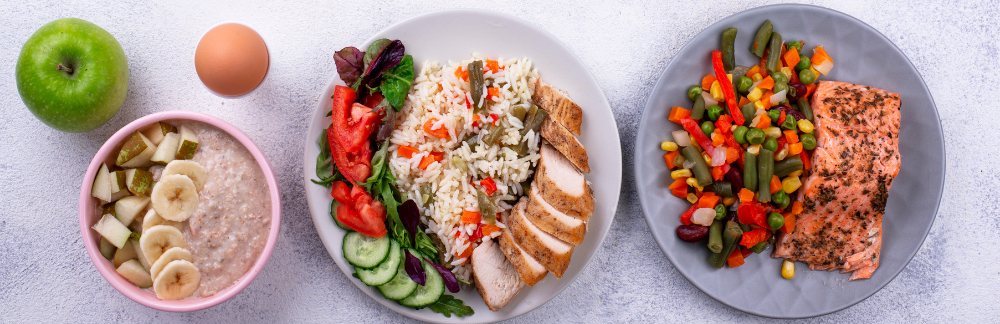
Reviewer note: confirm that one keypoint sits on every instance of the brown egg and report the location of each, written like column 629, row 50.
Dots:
column 231, row 59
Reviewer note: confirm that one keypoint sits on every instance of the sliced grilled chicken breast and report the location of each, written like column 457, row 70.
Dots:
column 562, row 185
column 560, row 108
column 566, row 143
column 551, row 252
column 530, row 270
column 549, row 219
column 496, row 279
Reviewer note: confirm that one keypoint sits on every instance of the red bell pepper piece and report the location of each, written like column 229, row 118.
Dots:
column 727, row 87
column 755, row 236
column 686, row 216
column 489, row 186
column 752, row 213
column 692, row 128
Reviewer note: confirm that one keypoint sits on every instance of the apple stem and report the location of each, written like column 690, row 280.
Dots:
column 64, row 68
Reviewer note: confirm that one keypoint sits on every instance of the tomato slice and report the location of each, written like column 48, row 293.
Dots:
column 351, row 122
column 358, row 210
column 354, row 166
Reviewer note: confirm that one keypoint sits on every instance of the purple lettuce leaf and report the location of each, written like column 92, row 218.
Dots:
column 349, row 64
column 409, row 214
column 414, row 269
column 449, row 278
column 389, row 57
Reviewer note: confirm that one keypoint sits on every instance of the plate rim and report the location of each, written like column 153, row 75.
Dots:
column 663, row 78
column 413, row 313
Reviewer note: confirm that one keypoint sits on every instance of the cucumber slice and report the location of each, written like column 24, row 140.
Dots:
column 427, row 294
column 333, row 214
column 384, row 271
column 400, row 286
column 365, row 252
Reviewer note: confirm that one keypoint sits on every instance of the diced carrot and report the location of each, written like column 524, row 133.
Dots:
column 819, row 56
column 794, row 148
column 791, row 57
column 406, row 151
column 735, row 259
column 706, row 82
column 677, row 114
column 732, row 155
column 471, row 217
column 810, row 89
column 789, row 222
column 775, row 184
column 670, row 157
column 791, row 136
column 764, row 122
column 744, row 101
column 430, row 158
column 766, row 99
column 767, row 83
column 465, row 253
column 441, row 132
column 717, row 173
column 679, row 188
column 708, row 200
column 717, row 138
column 489, row 229
column 781, row 115
column 797, row 208
column 745, row 195
column 475, row 120
column 461, row 73
column 805, row 161
column 753, row 70
column 492, row 92
column 493, row 65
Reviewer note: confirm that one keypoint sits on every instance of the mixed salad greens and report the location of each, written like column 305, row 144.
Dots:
column 385, row 240
column 744, row 146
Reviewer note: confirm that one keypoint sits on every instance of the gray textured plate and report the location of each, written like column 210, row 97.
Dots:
column 863, row 56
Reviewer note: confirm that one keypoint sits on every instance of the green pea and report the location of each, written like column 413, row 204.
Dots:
column 714, row 111
column 781, row 199
column 808, row 141
column 789, row 123
column 755, row 136
column 774, row 114
column 743, row 84
column 775, row 221
column 779, row 87
column 741, row 134
column 720, row 212
column 807, row 76
column 803, row 64
column 771, row 144
column 694, row 91
column 780, row 78
column 797, row 45
column 707, row 127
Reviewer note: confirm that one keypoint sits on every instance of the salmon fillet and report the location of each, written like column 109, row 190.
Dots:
column 853, row 166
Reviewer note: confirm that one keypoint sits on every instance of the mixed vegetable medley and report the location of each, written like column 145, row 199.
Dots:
column 384, row 241
column 744, row 146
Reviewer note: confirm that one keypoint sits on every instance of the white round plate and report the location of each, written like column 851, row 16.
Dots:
column 454, row 36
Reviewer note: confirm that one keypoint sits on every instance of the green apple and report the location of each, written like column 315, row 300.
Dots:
column 72, row 75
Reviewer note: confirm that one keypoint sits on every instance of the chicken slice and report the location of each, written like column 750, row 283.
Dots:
column 530, row 270
column 562, row 185
column 496, row 279
column 551, row 252
column 549, row 219
column 566, row 143
column 564, row 111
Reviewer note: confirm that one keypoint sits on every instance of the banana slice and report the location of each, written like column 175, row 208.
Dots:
column 152, row 219
column 174, row 253
column 159, row 239
column 175, row 197
column 178, row 280
column 189, row 168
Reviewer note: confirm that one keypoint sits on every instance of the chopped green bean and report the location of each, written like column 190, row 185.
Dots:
column 774, row 53
column 720, row 211
column 765, row 167
column 715, row 237
column 750, row 171
column 760, row 247
column 476, row 83
column 698, row 110
column 805, row 109
column 727, row 45
column 760, row 38
column 730, row 240
column 787, row 166
column 722, row 188
column 700, row 166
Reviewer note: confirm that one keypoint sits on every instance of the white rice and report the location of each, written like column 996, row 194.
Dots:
column 439, row 94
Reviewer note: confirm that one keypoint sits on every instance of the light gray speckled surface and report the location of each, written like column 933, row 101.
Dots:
column 46, row 275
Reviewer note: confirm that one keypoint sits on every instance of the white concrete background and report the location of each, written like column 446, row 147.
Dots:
column 45, row 274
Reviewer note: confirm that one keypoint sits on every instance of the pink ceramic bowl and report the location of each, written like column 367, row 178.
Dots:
column 88, row 217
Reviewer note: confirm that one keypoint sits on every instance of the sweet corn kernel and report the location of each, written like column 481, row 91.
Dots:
column 772, row 132
column 730, row 76
column 693, row 182
column 787, row 71
column 716, row 91
column 729, row 201
column 787, row 269
column 668, row 146
column 790, row 184
column 756, row 77
column 754, row 149
column 806, row 126
column 692, row 198
column 708, row 159
column 755, row 94
column 682, row 173
column 796, row 173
